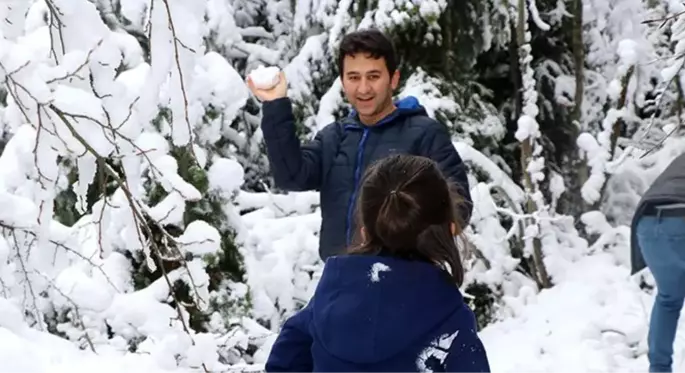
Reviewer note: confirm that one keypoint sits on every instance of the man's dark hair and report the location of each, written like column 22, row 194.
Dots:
column 406, row 207
column 370, row 41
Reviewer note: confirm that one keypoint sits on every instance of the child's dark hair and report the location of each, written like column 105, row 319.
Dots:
column 371, row 41
column 406, row 207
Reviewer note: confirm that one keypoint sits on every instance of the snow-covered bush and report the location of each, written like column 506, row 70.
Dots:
column 118, row 142
column 139, row 216
column 133, row 159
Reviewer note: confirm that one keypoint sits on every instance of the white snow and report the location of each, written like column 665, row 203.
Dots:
column 265, row 77
column 535, row 14
column 595, row 320
column 329, row 103
column 226, row 175
column 86, row 93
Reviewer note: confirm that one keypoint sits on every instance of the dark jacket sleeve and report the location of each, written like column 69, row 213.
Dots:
column 437, row 145
column 291, row 352
column 467, row 354
column 294, row 166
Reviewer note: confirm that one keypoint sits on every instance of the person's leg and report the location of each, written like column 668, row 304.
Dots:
column 662, row 242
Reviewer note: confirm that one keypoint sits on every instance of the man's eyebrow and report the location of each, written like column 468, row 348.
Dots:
column 375, row 71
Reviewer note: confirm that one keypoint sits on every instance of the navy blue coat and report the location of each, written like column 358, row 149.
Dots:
column 380, row 314
column 334, row 161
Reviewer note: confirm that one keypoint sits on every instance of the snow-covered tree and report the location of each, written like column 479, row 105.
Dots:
column 138, row 212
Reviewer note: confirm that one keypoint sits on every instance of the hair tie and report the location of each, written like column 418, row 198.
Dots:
column 393, row 192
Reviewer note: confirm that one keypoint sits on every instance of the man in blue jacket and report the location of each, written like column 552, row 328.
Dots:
column 335, row 159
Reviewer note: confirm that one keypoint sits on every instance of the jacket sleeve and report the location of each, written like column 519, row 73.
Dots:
column 467, row 354
column 437, row 145
column 294, row 166
column 291, row 352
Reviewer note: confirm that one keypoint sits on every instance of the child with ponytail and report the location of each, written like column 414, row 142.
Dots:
column 393, row 302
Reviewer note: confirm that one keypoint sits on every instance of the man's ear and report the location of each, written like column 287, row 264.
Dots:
column 395, row 79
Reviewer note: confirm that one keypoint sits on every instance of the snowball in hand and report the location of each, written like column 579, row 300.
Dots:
column 265, row 77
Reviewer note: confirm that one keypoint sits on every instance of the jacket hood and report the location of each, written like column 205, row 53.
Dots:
column 369, row 308
column 406, row 107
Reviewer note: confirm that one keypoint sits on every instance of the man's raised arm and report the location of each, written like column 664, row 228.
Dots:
column 294, row 166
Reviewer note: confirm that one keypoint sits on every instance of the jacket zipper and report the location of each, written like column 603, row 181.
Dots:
column 357, row 176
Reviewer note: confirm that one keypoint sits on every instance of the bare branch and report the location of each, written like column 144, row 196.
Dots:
column 663, row 20
column 37, row 313
column 74, row 74
column 75, row 308
column 66, row 248
column 138, row 217
column 55, row 14
column 177, row 42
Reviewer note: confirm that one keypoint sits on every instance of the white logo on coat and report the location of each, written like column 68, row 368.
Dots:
column 436, row 353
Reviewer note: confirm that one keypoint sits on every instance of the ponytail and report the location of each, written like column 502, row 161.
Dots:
column 407, row 209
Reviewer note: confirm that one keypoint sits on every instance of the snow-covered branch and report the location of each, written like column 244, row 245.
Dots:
column 88, row 124
column 527, row 133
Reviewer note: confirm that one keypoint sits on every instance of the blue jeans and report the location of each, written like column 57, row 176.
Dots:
column 662, row 242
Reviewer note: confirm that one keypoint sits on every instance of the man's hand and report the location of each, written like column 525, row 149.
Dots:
column 280, row 90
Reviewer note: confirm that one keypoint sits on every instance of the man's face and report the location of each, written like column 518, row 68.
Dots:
column 367, row 84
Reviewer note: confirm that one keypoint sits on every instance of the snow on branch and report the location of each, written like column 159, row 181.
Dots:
column 81, row 100
column 673, row 71
column 603, row 150
column 527, row 133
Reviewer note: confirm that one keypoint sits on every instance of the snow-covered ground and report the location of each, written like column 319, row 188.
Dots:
column 595, row 319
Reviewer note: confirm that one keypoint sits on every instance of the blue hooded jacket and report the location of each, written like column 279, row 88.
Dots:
column 380, row 314
column 334, row 161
